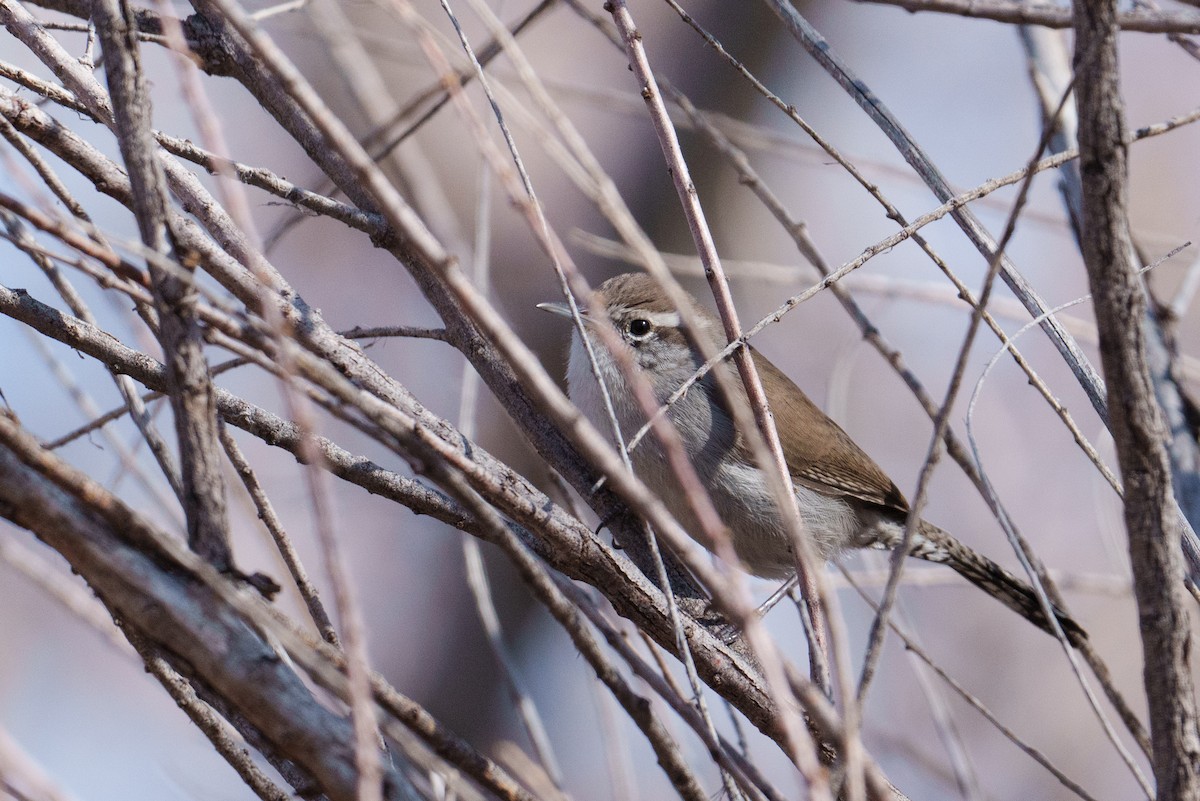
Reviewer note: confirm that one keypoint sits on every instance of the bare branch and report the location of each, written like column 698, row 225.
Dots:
column 570, row 546
column 820, row 50
column 1137, row 422
column 1048, row 15
column 132, row 567
column 189, row 385
column 266, row 513
column 267, row 688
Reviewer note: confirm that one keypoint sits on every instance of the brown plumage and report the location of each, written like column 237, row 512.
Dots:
column 845, row 499
column 823, row 457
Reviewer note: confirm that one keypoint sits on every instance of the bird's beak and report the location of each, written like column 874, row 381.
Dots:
column 561, row 309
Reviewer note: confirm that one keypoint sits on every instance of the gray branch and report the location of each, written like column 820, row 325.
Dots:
column 189, row 385
column 1050, row 15
column 1138, row 427
column 552, row 533
column 148, row 587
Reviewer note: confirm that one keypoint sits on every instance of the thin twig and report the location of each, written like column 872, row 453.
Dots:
column 913, row 647
column 778, row 477
column 476, row 573
column 386, row 331
column 222, row 736
column 1023, row 554
column 1049, row 15
column 274, row 526
column 942, row 422
column 824, row 55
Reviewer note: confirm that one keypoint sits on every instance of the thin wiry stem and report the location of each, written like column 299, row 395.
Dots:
column 778, row 477
column 942, row 422
column 827, row 58
column 949, row 732
column 567, row 275
column 476, row 574
column 914, row 647
column 1022, row 550
column 266, row 513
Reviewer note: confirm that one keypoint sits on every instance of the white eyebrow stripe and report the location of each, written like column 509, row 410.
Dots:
column 662, row 319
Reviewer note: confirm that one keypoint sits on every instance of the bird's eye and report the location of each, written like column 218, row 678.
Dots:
column 639, row 327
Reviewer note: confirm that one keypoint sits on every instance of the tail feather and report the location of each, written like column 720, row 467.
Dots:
column 935, row 545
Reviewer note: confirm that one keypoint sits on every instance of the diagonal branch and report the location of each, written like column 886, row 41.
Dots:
column 823, row 54
column 565, row 543
column 157, row 588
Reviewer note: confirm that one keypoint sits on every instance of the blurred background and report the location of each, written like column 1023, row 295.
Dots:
column 82, row 707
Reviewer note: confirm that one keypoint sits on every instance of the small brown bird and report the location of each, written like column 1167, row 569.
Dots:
column 845, row 499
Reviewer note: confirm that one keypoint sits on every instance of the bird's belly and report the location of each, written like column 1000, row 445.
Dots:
column 745, row 505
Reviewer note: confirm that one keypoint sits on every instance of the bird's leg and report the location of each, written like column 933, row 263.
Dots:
column 616, row 544
column 777, row 596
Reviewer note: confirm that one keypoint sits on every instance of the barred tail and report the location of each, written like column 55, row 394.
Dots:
column 935, row 545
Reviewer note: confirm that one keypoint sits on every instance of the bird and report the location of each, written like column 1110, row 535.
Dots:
column 846, row 501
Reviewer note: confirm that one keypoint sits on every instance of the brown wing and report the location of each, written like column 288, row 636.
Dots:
column 820, row 455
